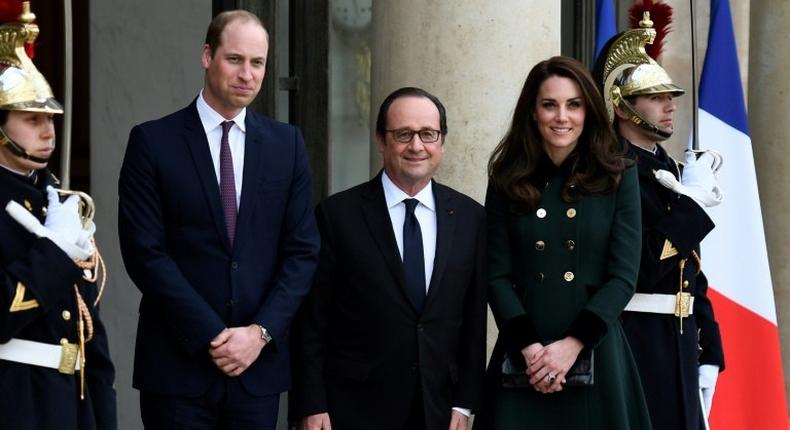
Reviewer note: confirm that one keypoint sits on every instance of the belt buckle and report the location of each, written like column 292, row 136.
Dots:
column 68, row 358
column 682, row 305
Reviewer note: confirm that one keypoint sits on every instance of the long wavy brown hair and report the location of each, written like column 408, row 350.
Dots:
column 596, row 162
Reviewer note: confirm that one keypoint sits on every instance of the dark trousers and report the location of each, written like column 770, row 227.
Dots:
column 226, row 405
column 416, row 418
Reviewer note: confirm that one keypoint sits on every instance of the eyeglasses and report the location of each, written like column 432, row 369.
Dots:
column 405, row 135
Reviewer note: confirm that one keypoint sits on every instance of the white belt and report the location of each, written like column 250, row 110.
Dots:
column 671, row 304
column 64, row 358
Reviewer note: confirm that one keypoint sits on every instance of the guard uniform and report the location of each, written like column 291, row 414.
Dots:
column 668, row 349
column 55, row 368
column 38, row 303
column 669, row 322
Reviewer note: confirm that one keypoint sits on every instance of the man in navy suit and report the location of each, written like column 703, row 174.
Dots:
column 217, row 231
column 392, row 335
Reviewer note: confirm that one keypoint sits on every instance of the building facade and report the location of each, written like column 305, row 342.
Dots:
column 333, row 61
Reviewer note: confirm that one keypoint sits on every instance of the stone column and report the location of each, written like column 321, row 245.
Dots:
column 769, row 70
column 145, row 63
column 474, row 56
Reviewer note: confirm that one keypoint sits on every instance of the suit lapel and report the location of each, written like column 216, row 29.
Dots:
column 377, row 218
column 445, row 231
column 254, row 159
column 195, row 138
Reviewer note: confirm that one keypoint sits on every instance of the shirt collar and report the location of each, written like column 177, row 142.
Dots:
column 18, row 173
column 211, row 119
column 394, row 195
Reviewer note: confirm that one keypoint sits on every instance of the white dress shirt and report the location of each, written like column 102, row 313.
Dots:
column 212, row 125
column 426, row 216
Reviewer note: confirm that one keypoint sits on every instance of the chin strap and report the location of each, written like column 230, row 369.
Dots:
column 18, row 150
column 633, row 116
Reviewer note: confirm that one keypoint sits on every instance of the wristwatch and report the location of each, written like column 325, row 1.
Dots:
column 265, row 334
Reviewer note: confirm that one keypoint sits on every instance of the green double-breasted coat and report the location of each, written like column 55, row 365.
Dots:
column 566, row 265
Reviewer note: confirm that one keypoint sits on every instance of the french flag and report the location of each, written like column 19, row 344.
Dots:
column 605, row 26
column 750, row 393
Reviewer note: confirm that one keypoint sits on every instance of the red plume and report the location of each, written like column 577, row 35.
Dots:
column 660, row 14
column 9, row 12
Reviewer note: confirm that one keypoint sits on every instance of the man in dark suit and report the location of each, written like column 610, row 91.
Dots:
column 217, row 231
column 392, row 335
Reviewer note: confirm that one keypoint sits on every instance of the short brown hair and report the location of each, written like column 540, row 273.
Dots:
column 218, row 24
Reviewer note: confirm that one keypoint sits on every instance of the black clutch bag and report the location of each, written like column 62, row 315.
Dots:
column 581, row 374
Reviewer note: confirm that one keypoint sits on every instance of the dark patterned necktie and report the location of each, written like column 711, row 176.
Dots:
column 413, row 258
column 227, row 182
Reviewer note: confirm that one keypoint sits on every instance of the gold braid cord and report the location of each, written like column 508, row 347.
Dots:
column 92, row 267
column 85, row 323
column 697, row 261
column 681, row 267
column 85, row 328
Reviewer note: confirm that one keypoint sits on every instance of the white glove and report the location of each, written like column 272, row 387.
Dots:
column 698, row 182
column 63, row 218
column 712, row 158
column 708, row 374
column 33, row 225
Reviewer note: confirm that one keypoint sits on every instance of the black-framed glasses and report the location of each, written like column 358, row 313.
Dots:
column 405, row 135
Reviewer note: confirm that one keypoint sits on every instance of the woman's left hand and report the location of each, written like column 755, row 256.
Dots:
column 548, row 368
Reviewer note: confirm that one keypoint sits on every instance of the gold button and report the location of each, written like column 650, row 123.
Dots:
column 685, row 284
column 571, row 245
column 571, row 212
column 63, row 341
column 540, row 245
column 541, row 213
column 28, row 206
column 66, row 315
column 568, row 276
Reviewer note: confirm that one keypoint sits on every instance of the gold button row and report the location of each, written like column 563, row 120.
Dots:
column 570, row 213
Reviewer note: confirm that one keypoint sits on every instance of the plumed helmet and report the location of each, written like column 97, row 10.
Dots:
column 22, row 87
column 628, row 71
column 646, row 79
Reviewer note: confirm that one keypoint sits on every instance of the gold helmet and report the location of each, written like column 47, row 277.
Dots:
column 629, row 71
column 22, row 87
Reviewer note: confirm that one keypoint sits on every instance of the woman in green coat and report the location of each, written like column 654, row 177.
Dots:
column 564, row 237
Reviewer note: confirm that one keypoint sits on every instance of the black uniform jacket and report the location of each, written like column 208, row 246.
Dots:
column 363, row 349
column 38, row 302
column 672, row 227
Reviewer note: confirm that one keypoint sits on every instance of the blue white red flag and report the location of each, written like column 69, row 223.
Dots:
column 750, row 393
column 605, row 26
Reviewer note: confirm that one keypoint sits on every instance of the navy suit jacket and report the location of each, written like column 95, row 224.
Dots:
column 176, row 250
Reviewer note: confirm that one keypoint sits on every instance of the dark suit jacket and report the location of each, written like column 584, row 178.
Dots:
column 176, row 250
column 363, row 348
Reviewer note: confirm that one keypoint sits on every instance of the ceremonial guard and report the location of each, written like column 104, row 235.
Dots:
column 55, row 368
column 669, row 322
